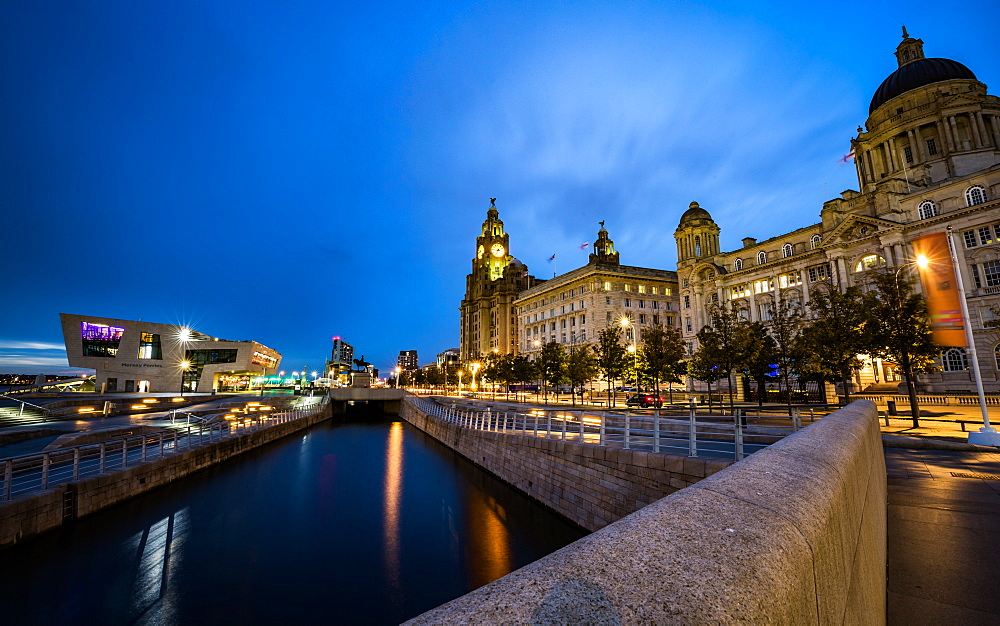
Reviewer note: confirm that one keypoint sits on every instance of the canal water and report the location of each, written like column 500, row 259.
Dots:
column 360, row 522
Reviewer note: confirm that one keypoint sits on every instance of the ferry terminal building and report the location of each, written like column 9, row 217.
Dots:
column 133, row 356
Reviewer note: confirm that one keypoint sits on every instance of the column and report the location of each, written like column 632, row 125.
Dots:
column 840, row 267
column 890, row 150
column 899, row 253
column 918, row 150
column 944, row 130
column 956, row 138
column 996, row 130
column 804, row 275
column 887, row 253
column 983, row 133
column 872, row 176
column 977, row 139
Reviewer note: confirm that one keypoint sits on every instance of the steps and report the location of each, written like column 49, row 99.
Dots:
column 9, row 416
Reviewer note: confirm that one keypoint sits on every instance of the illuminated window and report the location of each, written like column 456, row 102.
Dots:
column 926, row 209
column 869, row 261
column 628, row 287
column 642, row 288
column 654, row 290
column 975, row 195
column 607, row 285
column 100, row 340
column 149, row 347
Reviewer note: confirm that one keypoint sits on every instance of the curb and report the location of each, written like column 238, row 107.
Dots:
column 920, row 443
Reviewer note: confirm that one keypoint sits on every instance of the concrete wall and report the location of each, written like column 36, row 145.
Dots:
column 25, row 517
column 590, row 485
column 792, row 534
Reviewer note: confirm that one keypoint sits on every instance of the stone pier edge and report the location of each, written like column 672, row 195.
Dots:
column 795, row 533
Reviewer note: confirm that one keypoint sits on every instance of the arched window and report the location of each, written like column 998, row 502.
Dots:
column 786, row 250
column 927, row 209
column 761, row 257
column 869, row 261
column 815, row 240
column 737, row 265
column 974, row 195
column 697, row 246
column 954, row 360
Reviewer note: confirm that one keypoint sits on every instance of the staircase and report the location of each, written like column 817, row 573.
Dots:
column 14, row 416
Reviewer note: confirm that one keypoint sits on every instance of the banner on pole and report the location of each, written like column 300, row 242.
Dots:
column 937, row 277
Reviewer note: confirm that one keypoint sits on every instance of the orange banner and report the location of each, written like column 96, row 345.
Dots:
column 937, row 276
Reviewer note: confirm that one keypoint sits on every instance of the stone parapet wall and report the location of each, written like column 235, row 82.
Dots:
column 34, row 514
column 795, row 533
column 588, row 484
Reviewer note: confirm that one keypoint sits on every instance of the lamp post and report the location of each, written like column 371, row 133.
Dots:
column 398, row 371
column 475, row 368
column 185, row 366
column 626, row 323
column 460, row 372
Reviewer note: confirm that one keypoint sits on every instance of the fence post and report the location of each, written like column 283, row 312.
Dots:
column 656, row 430
column 535, row 412
column 144, row 441
column 160, row 445
column 581, row 426
column 603, row 427
column 628, row 430
column 45, row 471
column 189, row 435
column 738, row 439
column 565, row 425
column 548, row 424
column 76, row 463
column 8, row 477
column 124, row 452
column 175, row 441
column 101, row 471
column 692, row 434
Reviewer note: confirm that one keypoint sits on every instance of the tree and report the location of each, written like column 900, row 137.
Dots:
column 662, row 349
column 702, row 367
column 758, row 357
column 901, row 330
column 786, row 322
column 829, row 345
column 552, row 364
column 724, row 343
column 610, row 355
column 581, row 366
column 524, row 369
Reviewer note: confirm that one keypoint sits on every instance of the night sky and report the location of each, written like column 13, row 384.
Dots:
column 287, row 172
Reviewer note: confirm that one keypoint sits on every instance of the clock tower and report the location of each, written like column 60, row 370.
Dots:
column 488, row 316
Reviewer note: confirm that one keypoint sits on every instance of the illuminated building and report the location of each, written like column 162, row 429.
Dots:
column 407, row 360
column 341, row 359
column 573, row 307
column 488, row 321
column 928, row 158
column 144, row 356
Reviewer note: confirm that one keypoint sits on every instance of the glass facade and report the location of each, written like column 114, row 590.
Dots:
column 149, row 347
column 100, row 340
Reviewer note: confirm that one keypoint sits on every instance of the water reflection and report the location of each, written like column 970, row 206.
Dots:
column 392, row 489
column 490, row 556
column 158, row 553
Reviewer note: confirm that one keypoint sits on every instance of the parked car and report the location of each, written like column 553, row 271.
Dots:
column 645, row 400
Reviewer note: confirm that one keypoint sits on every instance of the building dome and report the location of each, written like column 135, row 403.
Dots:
column 693, row 213
column 918, row 73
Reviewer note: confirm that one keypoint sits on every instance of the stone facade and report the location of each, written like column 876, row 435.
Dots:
column 927, row 161
column 572, row 308
column 487, row 312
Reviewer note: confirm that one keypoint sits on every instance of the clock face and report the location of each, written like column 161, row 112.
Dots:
column 497, row 250
column 479, row 254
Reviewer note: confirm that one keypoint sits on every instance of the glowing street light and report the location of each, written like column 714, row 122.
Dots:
column 184, row 366
column 460, row 372
column 475, row 368
column 397, row 371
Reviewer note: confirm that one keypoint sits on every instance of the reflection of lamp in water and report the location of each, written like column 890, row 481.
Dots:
column 393, row 490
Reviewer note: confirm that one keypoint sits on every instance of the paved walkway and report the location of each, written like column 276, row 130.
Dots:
column 943, row 537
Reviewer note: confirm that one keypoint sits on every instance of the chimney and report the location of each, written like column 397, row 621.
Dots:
column 749, row 242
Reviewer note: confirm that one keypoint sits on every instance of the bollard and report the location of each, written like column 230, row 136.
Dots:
column 692, row 435
column 738, row 439
column 656, row 431
column 795, row 420
column 890, row 406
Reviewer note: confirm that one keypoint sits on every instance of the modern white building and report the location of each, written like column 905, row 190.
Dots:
column 134, row 356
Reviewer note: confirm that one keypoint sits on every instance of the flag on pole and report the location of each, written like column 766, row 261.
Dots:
column 847, row 157
column 585, row 245
column 552, row 258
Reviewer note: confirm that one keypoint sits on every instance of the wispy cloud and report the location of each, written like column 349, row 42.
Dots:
column 29, row 345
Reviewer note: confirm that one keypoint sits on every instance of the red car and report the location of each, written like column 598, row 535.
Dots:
column 645, row 400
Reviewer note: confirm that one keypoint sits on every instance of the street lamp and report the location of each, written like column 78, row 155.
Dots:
column 460, row 372
column 635, row 364
column 185, row 366
column 475, row 368
column 398, row 370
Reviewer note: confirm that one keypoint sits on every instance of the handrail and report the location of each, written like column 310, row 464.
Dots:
column 40, row 408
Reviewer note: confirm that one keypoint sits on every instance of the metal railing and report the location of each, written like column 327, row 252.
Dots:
column 40, row 471
column 715, row 435
column 44, row 411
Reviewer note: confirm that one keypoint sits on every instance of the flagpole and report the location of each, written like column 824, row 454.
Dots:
column 987, row 435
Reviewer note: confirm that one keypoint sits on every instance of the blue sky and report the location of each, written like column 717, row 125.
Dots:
column 287, row 172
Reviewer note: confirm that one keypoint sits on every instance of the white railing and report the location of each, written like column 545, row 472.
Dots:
column 718, row 436
column 37, row 472
column 44, row 411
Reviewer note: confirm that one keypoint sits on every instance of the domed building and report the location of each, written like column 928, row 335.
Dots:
column 928, row 158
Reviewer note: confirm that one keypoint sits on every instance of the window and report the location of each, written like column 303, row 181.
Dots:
column 931, row 147
column 985, row 235
column 697, row 246
column 737, row 265
column 975, row 276
column 607, row 285
column 786, row 250
column 654, row 290
column 642, row 318
column 562, row 310
column 149, row 347
column 908, row 154
column 562, row 323
column 819, row 272
column 869, row 261
column 552, row 326
column 991, row 272
column 815, row 240
column 642, row 288
column 715, row 298
column 608, row 317
column 975, row 195
column 927, row 209
column 583, row 319
column 628, row 287
column 789, row 280
column 654, row 304
column 628, row 302
column 572, row 306
column 100, row 340
column 954, row 360
column 642, row 304
column 763, row 286
column 764, row 311
column 970, row 239
column 761, row 257
column 687, row 302
column 687, row 324
column 656, row 320
column 607, row 300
